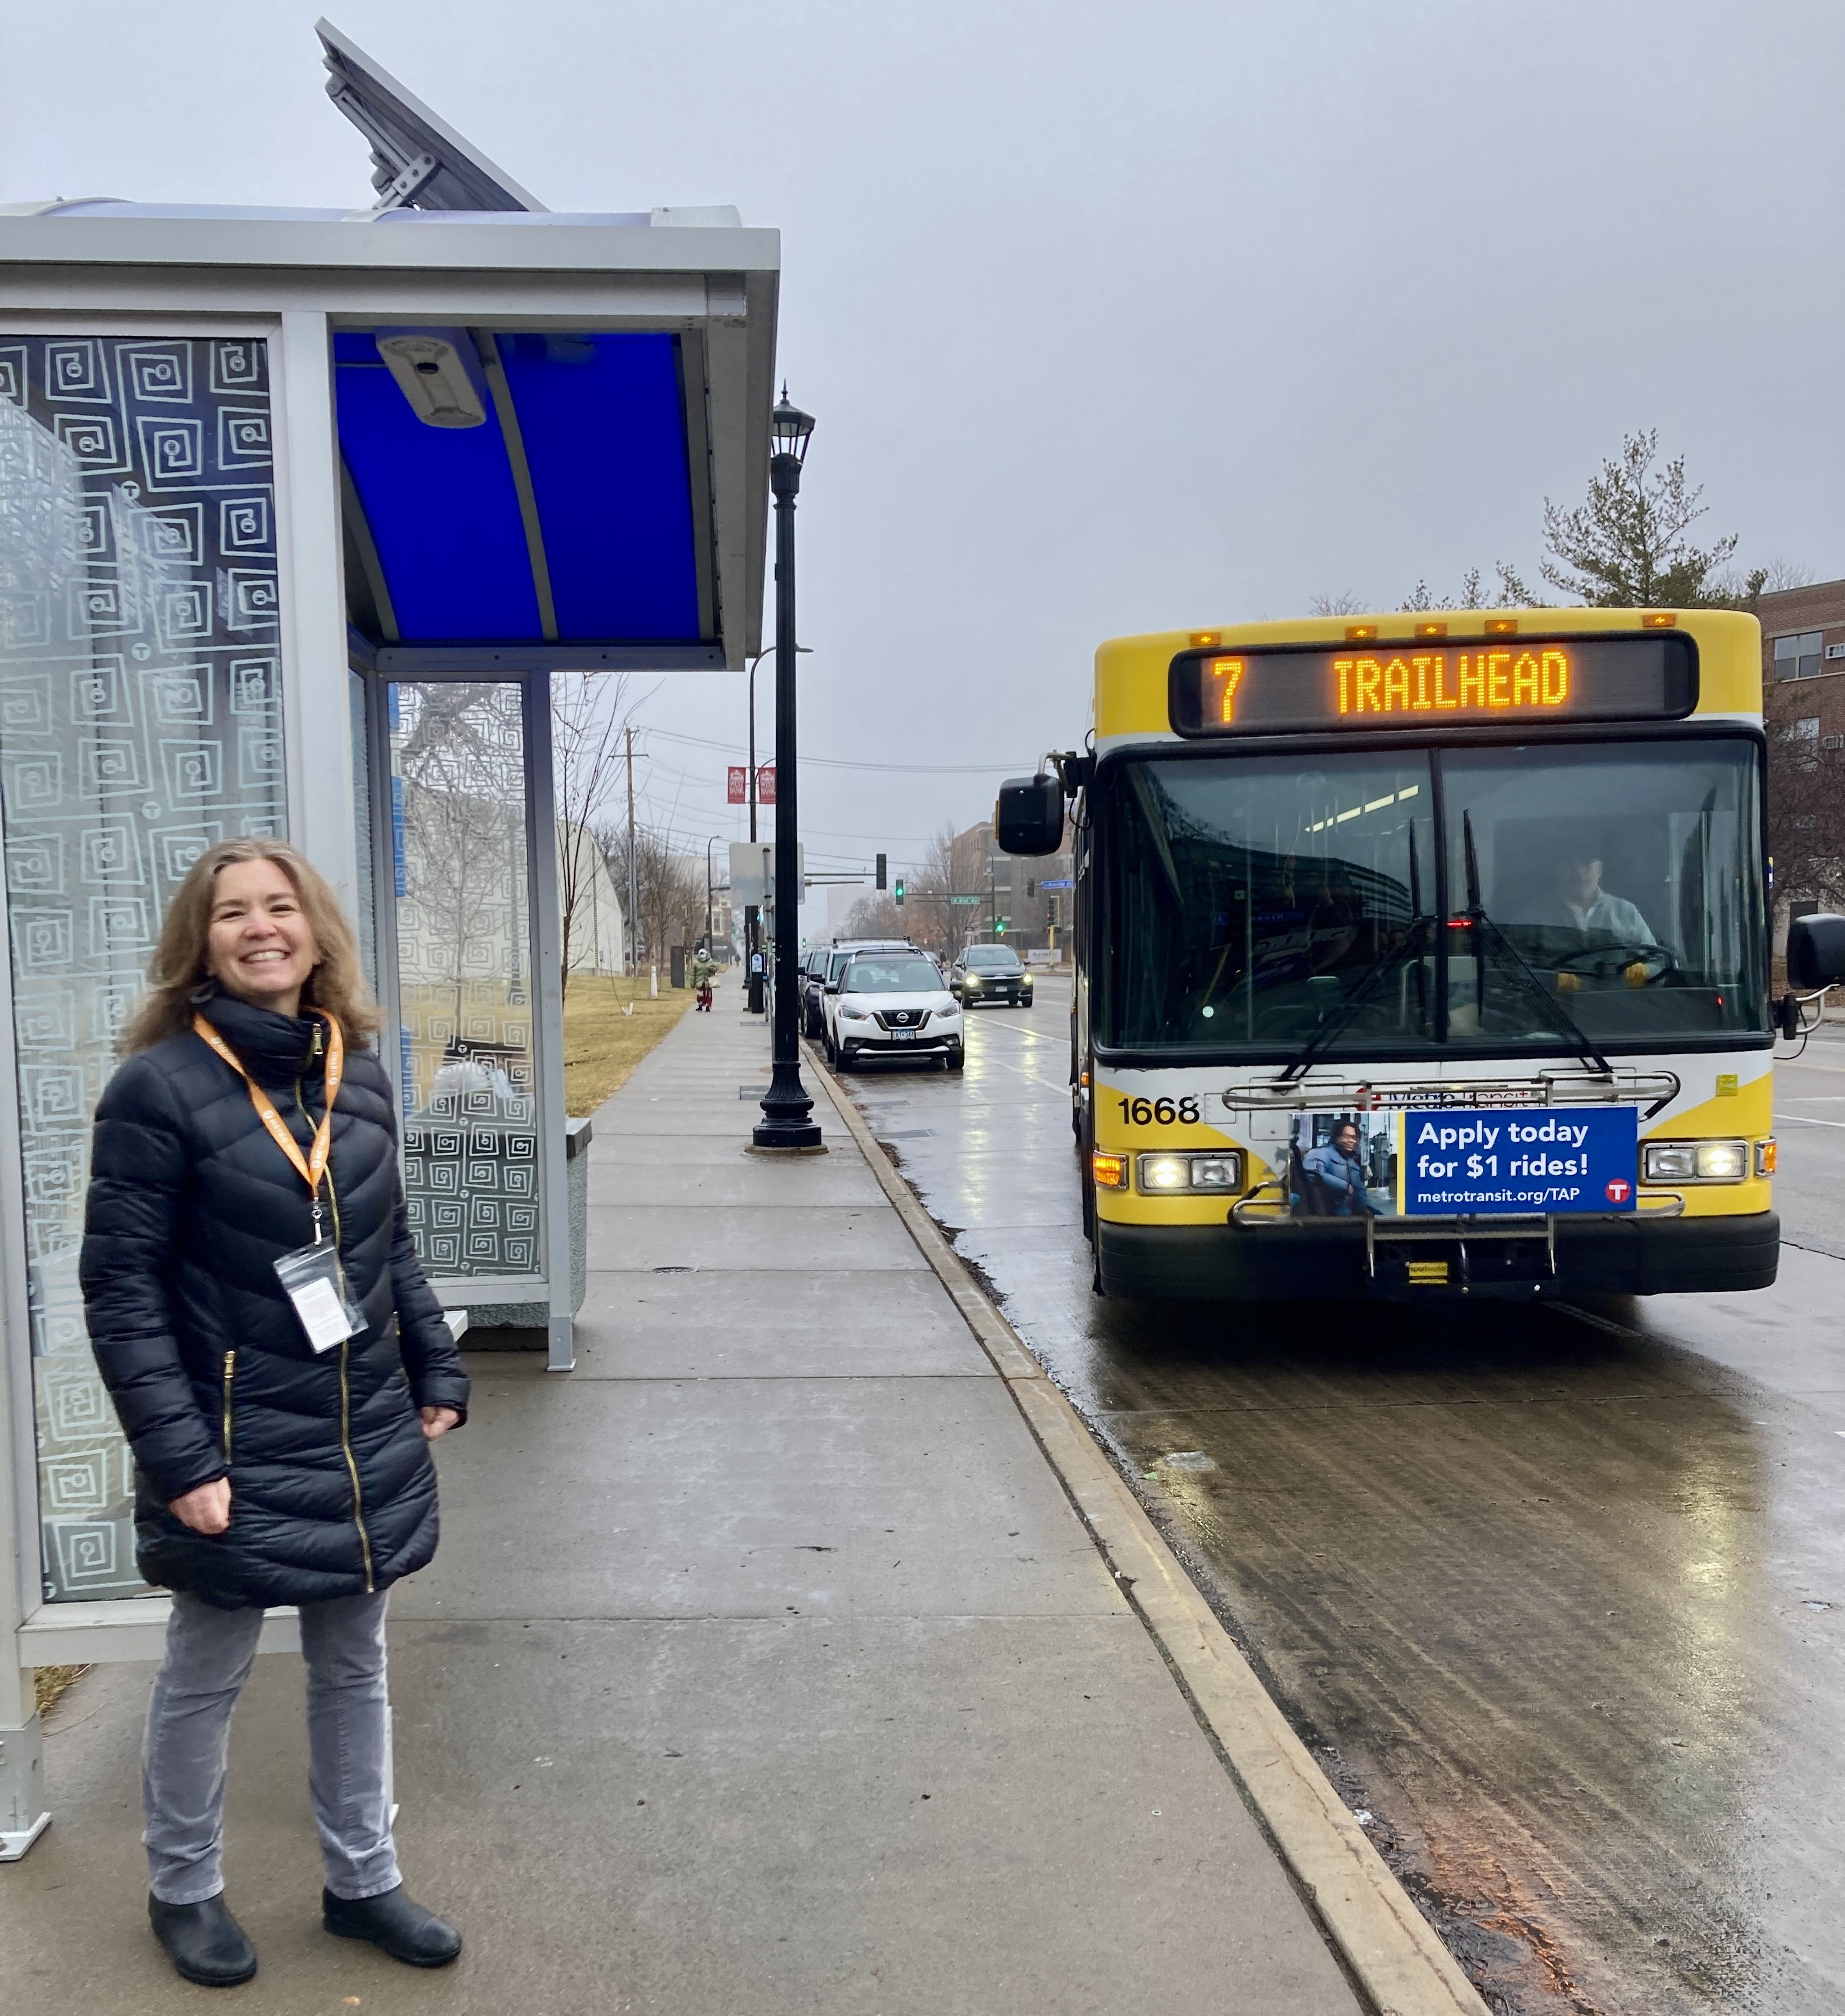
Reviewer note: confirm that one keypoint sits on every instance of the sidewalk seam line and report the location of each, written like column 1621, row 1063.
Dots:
column 1389, row 1948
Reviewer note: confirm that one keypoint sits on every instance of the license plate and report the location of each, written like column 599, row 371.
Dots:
column 904, row 1035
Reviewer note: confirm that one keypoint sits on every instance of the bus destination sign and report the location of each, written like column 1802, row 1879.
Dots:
column 1286, row 690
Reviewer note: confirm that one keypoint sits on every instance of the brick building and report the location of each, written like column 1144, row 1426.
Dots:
column 1803, row 710
column 1804, row 662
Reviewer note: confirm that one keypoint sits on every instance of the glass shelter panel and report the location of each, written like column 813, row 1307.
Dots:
column 466, row 994
column 140, row 721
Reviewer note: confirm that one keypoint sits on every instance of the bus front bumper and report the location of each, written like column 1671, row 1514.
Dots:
column 1314, row 1260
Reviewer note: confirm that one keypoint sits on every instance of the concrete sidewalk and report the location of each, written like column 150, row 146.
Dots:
column 766, row 1667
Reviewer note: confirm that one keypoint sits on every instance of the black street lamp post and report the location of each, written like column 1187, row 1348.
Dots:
column 786, row 1122
column 752, row 915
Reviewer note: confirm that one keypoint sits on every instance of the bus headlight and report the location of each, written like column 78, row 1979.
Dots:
column 1189, row 1174
column 1695, row 1162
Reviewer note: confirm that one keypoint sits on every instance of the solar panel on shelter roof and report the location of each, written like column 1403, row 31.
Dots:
column 419, row 162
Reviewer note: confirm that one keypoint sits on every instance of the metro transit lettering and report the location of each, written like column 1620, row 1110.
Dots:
column 1485, row 682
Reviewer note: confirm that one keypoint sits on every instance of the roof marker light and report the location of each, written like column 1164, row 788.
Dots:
column 1502, row 626
column 1658, row 619
column 1431, row 629
column 1356, row 633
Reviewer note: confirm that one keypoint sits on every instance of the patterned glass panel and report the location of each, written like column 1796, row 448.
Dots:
column 140, row 721
column 464, row 975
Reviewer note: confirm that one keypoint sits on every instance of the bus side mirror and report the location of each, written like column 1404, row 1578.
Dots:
column 1028, row 816
column 1815, row 951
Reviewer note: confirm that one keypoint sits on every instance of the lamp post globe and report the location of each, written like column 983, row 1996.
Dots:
column 787, row 1122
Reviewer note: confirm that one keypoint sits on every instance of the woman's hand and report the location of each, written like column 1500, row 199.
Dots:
column 437, row 1421
column 206, row 1510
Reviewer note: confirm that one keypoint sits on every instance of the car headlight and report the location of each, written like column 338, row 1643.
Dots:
column 855, row 1014
column 970, row 980
column 1192, row 1175
column 1695, row 1162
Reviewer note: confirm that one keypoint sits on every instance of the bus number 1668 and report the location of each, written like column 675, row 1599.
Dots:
column 1145, row 1112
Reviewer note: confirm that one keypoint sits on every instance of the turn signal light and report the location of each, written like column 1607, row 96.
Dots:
column 1109, row 1170
column 1764, row 1157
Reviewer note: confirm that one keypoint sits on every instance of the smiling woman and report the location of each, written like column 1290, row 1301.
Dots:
column 280, row 1369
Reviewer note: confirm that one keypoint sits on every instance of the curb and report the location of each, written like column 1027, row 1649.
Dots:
column 1392, row 1950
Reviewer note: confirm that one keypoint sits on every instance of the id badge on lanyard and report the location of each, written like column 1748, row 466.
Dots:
column 311, row 1276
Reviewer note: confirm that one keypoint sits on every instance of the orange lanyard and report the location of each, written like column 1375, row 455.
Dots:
column 313, row 1167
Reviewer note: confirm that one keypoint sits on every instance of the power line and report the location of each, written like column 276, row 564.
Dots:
column 841, row 763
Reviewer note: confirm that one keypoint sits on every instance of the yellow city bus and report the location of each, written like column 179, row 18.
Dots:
column 1422, row 955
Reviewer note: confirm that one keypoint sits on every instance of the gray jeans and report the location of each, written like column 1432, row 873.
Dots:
column 185, row 1757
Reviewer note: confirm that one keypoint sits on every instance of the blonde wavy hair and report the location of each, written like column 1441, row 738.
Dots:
column 177, row 969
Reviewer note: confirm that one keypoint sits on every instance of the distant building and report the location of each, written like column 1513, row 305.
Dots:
column 1803, row 658
column 1032, row 895
column 1804, row 710
column 598, row 931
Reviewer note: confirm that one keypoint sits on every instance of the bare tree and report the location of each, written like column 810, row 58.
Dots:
column 956, row 865
column 588, row 716
column 669, row 887
column 876, row 915
column 1344, row 603
column 1513, row 592
column 1806, row 813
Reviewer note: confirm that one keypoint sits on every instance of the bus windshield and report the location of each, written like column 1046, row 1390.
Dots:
column 1600, row 896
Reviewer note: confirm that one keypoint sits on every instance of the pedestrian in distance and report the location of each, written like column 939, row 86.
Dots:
column 281, row 1369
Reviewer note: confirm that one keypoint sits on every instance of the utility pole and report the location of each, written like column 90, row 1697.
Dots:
column 633, row 880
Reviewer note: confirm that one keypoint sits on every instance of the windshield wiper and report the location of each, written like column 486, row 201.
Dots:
column 1486, row 932
column 1380, row 969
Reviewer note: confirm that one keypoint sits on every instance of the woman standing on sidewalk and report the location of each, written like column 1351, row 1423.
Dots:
column 280, row 1367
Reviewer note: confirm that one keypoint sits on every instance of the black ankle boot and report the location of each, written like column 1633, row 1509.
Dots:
column 395, row 1925
column 204, row 1943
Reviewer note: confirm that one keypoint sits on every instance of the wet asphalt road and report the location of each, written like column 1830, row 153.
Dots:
column 1559, row 1598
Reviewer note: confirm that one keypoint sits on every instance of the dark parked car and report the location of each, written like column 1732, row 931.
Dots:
column 990, row 973
column 826, row 964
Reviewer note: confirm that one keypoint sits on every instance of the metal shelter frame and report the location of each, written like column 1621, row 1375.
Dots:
column 296, row 280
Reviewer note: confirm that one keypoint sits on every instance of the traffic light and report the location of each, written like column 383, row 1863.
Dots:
column 880, row 866
column 999, row 924
column 897, row 892
column 1031, row 888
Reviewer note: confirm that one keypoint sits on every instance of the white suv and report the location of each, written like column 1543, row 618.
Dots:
column 892, row 1004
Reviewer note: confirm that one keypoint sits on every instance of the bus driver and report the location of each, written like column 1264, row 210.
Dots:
column 1579, row 903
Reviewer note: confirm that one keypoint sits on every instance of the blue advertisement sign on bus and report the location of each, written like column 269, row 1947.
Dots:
column 1522, row 1161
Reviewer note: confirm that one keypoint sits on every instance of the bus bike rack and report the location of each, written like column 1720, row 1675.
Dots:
column 1256, row 1208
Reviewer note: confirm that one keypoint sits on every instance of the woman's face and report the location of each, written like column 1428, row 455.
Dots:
column 260, row 947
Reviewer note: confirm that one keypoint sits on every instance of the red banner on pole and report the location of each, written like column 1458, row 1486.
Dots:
column 740, row 780
column 766, row 785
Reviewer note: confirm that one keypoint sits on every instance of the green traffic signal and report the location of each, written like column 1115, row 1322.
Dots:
column 897, row 893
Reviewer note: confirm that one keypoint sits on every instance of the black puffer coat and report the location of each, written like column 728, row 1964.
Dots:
column 333, row 1488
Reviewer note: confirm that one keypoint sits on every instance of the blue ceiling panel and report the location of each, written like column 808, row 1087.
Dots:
column 605, row 440
column 442, row 510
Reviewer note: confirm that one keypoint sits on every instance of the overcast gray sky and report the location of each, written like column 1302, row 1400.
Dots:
column 1114, row 317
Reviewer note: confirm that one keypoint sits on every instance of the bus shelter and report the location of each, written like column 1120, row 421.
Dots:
column 299, row 512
